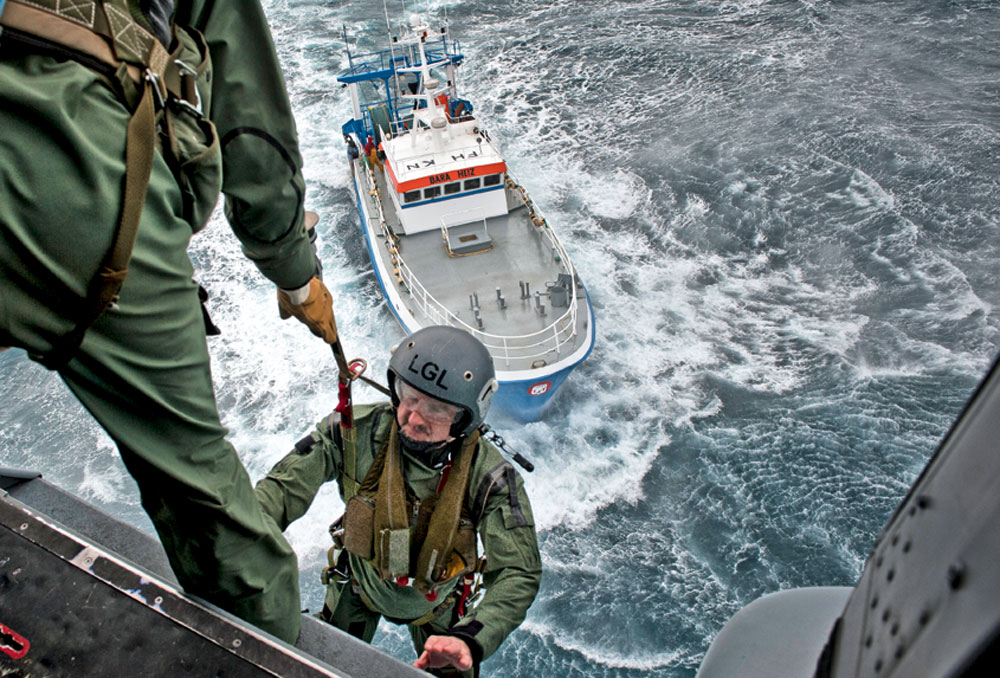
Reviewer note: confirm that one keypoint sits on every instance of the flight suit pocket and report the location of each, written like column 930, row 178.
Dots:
column 192, row 138
column 464, row 554
column 359, row 521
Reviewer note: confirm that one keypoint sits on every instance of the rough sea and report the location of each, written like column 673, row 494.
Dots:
column 787, row 215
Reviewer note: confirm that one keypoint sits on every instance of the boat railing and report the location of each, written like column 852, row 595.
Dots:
column 558, row 251
column 534, row 347
column 379, row 218
column 387, row 64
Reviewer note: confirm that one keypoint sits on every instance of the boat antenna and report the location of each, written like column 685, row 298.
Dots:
column 395, row 74
column 501, row 444
column 347, row 45
column 388, row 26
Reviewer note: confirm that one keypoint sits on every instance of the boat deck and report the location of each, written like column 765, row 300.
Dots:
column 520, row 252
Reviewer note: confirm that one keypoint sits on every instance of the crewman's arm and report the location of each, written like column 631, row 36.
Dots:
column 513, row 574
column 288, row 490
column 262, row 167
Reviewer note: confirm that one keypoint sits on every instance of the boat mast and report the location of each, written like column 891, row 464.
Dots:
column 427, row 111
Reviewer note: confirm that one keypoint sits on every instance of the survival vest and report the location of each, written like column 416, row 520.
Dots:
column 158, row 86
column 429, row 541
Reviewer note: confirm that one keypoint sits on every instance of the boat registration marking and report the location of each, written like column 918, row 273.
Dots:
column 541, row 388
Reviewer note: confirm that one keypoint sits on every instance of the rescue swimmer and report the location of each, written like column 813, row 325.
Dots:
column 420, row 485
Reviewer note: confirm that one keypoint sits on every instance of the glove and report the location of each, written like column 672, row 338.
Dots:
column 315, row 312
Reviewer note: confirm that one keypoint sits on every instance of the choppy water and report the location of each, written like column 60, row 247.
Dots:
column 788, row 217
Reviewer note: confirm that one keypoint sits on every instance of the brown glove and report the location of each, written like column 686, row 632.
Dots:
column 316, row 312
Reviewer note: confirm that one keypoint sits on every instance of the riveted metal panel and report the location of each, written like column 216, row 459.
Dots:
column 928, row 600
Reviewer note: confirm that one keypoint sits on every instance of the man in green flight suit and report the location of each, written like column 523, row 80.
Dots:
column 120, row 121
column 420, row 486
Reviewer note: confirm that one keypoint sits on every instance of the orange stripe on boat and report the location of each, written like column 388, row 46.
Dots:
column 445, row 177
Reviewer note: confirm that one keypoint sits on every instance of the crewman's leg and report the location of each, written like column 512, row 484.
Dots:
column 143, row 369
column 344, row 609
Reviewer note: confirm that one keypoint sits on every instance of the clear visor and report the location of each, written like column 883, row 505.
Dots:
column 430, row 409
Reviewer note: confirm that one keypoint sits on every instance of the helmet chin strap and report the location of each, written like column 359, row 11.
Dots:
column 431, row 453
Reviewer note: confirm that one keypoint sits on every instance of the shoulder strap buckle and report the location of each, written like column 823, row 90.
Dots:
column 154, row 80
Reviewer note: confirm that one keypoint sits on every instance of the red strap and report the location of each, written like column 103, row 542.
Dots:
column 344, row 404
column 444, row 477
column 467, row 582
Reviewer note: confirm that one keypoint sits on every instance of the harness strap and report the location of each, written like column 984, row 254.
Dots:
column 348, row 439
column 74, row 33
column 347, row 433
column 140, row 145
column 437, row 549
column 467, row 582
column 392, row 518
column 437, row 610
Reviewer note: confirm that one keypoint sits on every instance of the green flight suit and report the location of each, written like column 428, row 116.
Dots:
column 143, row 368
column 495, row 498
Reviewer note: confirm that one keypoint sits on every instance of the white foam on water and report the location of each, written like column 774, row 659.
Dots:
column 602, row 656
column 827, row 266
column 104, row 481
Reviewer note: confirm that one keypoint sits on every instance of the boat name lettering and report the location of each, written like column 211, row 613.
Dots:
column 462, row 173
column 429, row 371
column 418, row 165
column 438, row 178
column 462, row 156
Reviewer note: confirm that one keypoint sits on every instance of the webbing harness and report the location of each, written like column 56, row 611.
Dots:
column 103, row 35
column 431, row 555
column 346, row 374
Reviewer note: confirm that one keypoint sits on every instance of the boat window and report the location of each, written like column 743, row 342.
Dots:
column 491, row 180
column 453, row 187
column 432, row 192
column 411, row 196
column 471, row 184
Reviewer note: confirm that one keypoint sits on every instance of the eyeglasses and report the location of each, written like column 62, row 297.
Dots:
column 430, row 409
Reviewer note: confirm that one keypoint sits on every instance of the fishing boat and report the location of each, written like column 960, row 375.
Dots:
column 453, row 236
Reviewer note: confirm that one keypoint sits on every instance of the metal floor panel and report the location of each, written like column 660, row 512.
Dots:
column 82, row 593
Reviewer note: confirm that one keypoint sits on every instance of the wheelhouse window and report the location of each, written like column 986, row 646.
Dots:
column 491, row 180
column 411, row 196
column 432, row 192
column 452, row 188
column 471, row 184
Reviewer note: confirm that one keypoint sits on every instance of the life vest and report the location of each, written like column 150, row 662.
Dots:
column 403, row 538
column 157, row 86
